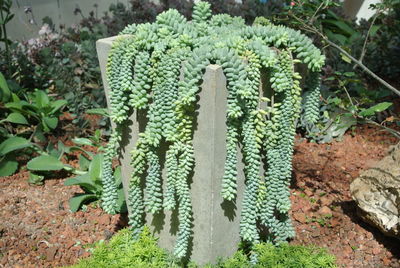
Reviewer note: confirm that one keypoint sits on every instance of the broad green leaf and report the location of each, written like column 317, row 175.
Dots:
column 349, row 74
column 376, row 109
column 374, row 30
column 95, row 169
column 56, row 152
column 342, row 26
column 5, row 92
column 44, row 163
column 35, row 179
column 14, row 105
column 51, row 122
column 336, row 37
column 42, row 100
column 86, row 183
column 82, row 141
column 56, row 105
column 15, row 97
column 118, row 175
column 345, row 58
column 76, row 202
column 84, row 162
column 12, row 144
column 8, row 166
column 98, row 111
column 121, row 202
column 76, row 148
column 17, row 118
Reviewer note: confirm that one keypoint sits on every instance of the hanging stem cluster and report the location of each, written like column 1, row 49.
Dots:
column 159, row 67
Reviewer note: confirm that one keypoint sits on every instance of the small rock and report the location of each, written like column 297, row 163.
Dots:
column 377, row 194
column 69, row 244
column 308, row 192
column 107, row 234
column 300, row 217
column 351, row 235
column 386, row 262
column 325, row 210
column 376, row 251
column 301, row 184
column 104, row 220
column 335, row 222
column 50, row 253
column 347, row 250
column 325, row 201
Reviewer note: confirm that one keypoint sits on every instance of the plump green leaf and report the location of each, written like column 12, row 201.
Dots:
column 57, row 105
column 374, row 30
column 12, row 144
column 76, row 202
column 121, row 202
column 42, row 100
column 84, row 162
column 51, row 122
column 8, row 166
column 86, row 183
column 35, row 179
column 375, row 109
column 45, row 162
column 15, row 106
column 118, row 175
column 342, row 26
column 82, row 141
column 96, row 168
column 17, row 118
column 98, row 111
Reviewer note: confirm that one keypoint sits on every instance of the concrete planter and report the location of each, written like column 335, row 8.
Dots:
column 216, row 223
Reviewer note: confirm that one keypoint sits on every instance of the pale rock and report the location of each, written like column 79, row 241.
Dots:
column 377, row 194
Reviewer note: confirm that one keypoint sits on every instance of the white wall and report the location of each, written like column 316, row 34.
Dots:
column 61, row 11
column 359, row 8
column 24, row 26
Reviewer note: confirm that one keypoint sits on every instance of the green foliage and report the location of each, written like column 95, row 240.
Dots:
column 144, row 71
column 45, row 162
column 90, row 182
column 124, row 251
column 382, row 50
column 8, row 153
column 349, row 91
column 283, row 256
column 27, row 119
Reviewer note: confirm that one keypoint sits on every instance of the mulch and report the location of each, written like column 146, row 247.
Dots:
column 38, row 230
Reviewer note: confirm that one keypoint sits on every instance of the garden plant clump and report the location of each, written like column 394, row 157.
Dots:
column 124, row 251
column 143, row 72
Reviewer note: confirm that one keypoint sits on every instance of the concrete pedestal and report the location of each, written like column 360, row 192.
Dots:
column 216, row 222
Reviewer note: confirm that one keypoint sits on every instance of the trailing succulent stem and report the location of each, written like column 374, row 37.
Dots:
column 159, row 67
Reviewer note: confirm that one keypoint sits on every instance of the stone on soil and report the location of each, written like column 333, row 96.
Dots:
column 377, row 194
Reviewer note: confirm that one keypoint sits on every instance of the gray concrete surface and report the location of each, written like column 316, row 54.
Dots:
column 216, row 223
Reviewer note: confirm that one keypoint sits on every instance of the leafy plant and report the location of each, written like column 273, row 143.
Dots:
column 8, row 154
column 143, row 72
column 124, row 251
column 23, row 127
column 91, row 183
column 285, row 255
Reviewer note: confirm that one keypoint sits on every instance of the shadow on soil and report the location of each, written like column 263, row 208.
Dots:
column 350, row 209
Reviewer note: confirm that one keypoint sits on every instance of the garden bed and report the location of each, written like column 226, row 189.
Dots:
column 38, row 230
